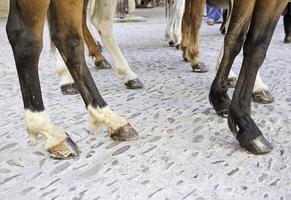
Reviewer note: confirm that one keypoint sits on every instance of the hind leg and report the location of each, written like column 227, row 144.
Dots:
column 25, row 29
column 94, row 49
column 103, row 21
column 193, row 51
column 67, row 35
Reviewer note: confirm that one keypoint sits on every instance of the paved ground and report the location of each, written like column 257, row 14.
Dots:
column 185, row 150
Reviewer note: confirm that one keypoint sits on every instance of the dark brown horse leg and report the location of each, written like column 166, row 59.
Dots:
column 264, row 20
column 193, row 54
column 234, row 39
column 67, row 35
column 94, row 49
column 186, row 30
column 25, row 29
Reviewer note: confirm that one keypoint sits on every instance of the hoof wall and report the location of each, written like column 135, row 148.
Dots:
column 102, row 64
column 124, row 133
column 171, row 43
column 231, row 82
column 263, row 97
column 258, row 145
column 178, row 46
column 134, row 84
column 65, row 150
column 69, row 89
column 200, row 68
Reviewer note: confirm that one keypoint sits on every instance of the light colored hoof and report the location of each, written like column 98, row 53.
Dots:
column 200, row 68
column 263, row 97
column 65, row 150
column 124, row 133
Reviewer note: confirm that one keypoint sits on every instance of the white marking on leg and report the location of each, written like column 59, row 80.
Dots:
column 179, row 11
column 170, row 22
column 62, row 70
column 102, row 19
column 39, row 124
column 105, row 116
column 259, row 84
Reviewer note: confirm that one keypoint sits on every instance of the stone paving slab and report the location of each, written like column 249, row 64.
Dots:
column 185, row 151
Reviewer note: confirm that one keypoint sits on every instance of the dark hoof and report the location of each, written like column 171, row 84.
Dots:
column 102, row 64
column 171, row 44
column 263, row 97
column 124, row 133
column 69, row 89
column 219, row 101
column 185, row 59
column 134, row 84
column 259, row 145
column 178, row 46
column 200, row 68
column 231, row 82
column 287, row 39
column 65, row 150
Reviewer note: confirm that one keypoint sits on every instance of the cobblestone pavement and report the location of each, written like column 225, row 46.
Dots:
column 185, row 151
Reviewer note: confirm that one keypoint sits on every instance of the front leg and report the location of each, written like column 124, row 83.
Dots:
column 264, row 20
column 66, row 33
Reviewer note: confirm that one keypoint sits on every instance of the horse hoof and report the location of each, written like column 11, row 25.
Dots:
column 69, row 89
column 102, row 64
column 134, row 84
column 259, row 145
column 178, row 46
column 222, row 113
column 200, row 68
column 231, row 82
column 263, row 97
column 171, row 44
column 124, row 133
column 287, row 39
column 185, row 59
column 65, row 150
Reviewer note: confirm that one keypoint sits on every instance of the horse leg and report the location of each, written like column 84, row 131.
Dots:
column 234, row 39
column 265, row 17
column 170, row 23
column 103, row 21
column 186, row 30
column 25, row 29
column 193, row 54
column 67, row 84
column 67, row 35
column 94, row 49
column 179, row 11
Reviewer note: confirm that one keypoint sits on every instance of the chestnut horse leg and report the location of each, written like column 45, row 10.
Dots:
column 67, row 35
column 25, row 29
column 186, row 30
column 94, row 48
column 234, row 39
column 102, row 19
column 264, row 20
column 193, row 54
